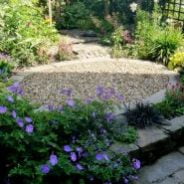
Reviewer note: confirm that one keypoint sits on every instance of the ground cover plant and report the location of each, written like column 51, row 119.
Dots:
column 68, row 144
column 173, row 105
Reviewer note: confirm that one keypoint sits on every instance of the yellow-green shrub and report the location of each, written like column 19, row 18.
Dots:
column 177, row 60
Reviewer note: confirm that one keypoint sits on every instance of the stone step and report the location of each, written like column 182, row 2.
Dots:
column 155, row 142
column 167, row 170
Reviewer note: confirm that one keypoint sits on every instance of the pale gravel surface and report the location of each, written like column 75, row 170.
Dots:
column 133, row 78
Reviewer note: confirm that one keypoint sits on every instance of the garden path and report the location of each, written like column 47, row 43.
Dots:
column 85, row 44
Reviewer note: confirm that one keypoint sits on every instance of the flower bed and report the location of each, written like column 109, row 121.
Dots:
column 69, row 144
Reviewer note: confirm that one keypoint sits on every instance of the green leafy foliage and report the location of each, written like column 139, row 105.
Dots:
column 29, row 137
column 176, row 60
column 23, row 30
column 6, row 67
column 76, row 15
column 156, row 42
column 173, row 105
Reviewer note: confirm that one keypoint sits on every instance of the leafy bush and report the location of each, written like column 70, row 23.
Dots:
column 155, row 41
column 143, row 115
column 69, row 144
column 76, row 15
column 23, row 29
column 176, row 60
column 6, row 66
column 173, row 105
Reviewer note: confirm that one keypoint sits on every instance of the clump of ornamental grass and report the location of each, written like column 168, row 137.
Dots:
column 143, row 115
column 69, row 143
column 173, row 104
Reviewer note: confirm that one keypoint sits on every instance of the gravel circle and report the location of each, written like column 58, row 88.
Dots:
column 133, row 78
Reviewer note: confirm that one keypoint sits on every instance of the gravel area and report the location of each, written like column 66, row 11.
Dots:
column 133, row 78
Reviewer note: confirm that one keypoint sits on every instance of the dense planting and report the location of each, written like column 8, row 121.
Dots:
column 173, row 105
column 69, row 143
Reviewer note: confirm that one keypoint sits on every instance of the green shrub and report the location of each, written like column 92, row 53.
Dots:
column 69, row 144
column 156, row 42
column 76, row 15
column 23, row 30
column 6, row 67
column 176, row 60
column 173, row 105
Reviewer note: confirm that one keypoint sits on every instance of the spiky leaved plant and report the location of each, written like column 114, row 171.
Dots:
column 143, row 115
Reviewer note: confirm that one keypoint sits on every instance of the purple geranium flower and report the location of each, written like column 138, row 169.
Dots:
column 16, row 88
column 53, row 159
column 14, row 114
column 70, row 102
column 79, row 167
column 67, row 91
column 99, row 90
column 110, row 116
column 136, row 164
column 3, row 109
column 73, row 156
column 20, row 122
column 126, row 181
column 45, row 169
column 28, row 120
column 10, row 99
column 29, row 128
column 108, row 93
column 79, row 149
column 120, row 97
column 102, row 156
column 67, row 148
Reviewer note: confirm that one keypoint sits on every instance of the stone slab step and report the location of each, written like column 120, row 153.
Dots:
column 155, row 142
column 167, row 170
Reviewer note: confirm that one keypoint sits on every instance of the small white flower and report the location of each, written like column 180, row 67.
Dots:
column 156, row 1
column 133, row 6
column 169, row 21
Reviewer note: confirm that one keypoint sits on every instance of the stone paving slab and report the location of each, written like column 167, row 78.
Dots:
column 126, row 149
column 167, row 170
column 176, row 124
column 181, row 150
column 154, row 142
column 149, row 136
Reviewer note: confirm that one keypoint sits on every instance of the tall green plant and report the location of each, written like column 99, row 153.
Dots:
column 156, row 41
column 23, row 29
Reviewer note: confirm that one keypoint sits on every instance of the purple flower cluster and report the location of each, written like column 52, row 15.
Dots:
column 75, row 155
column 16, row 89
column 70, row 102
column 4, row 56
column 102, row 156
column 108, row 93
column 67, row 92
column 25, row 123
column 110, row 117
column 53, row 161
column 136, row 164
column 3, row 110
